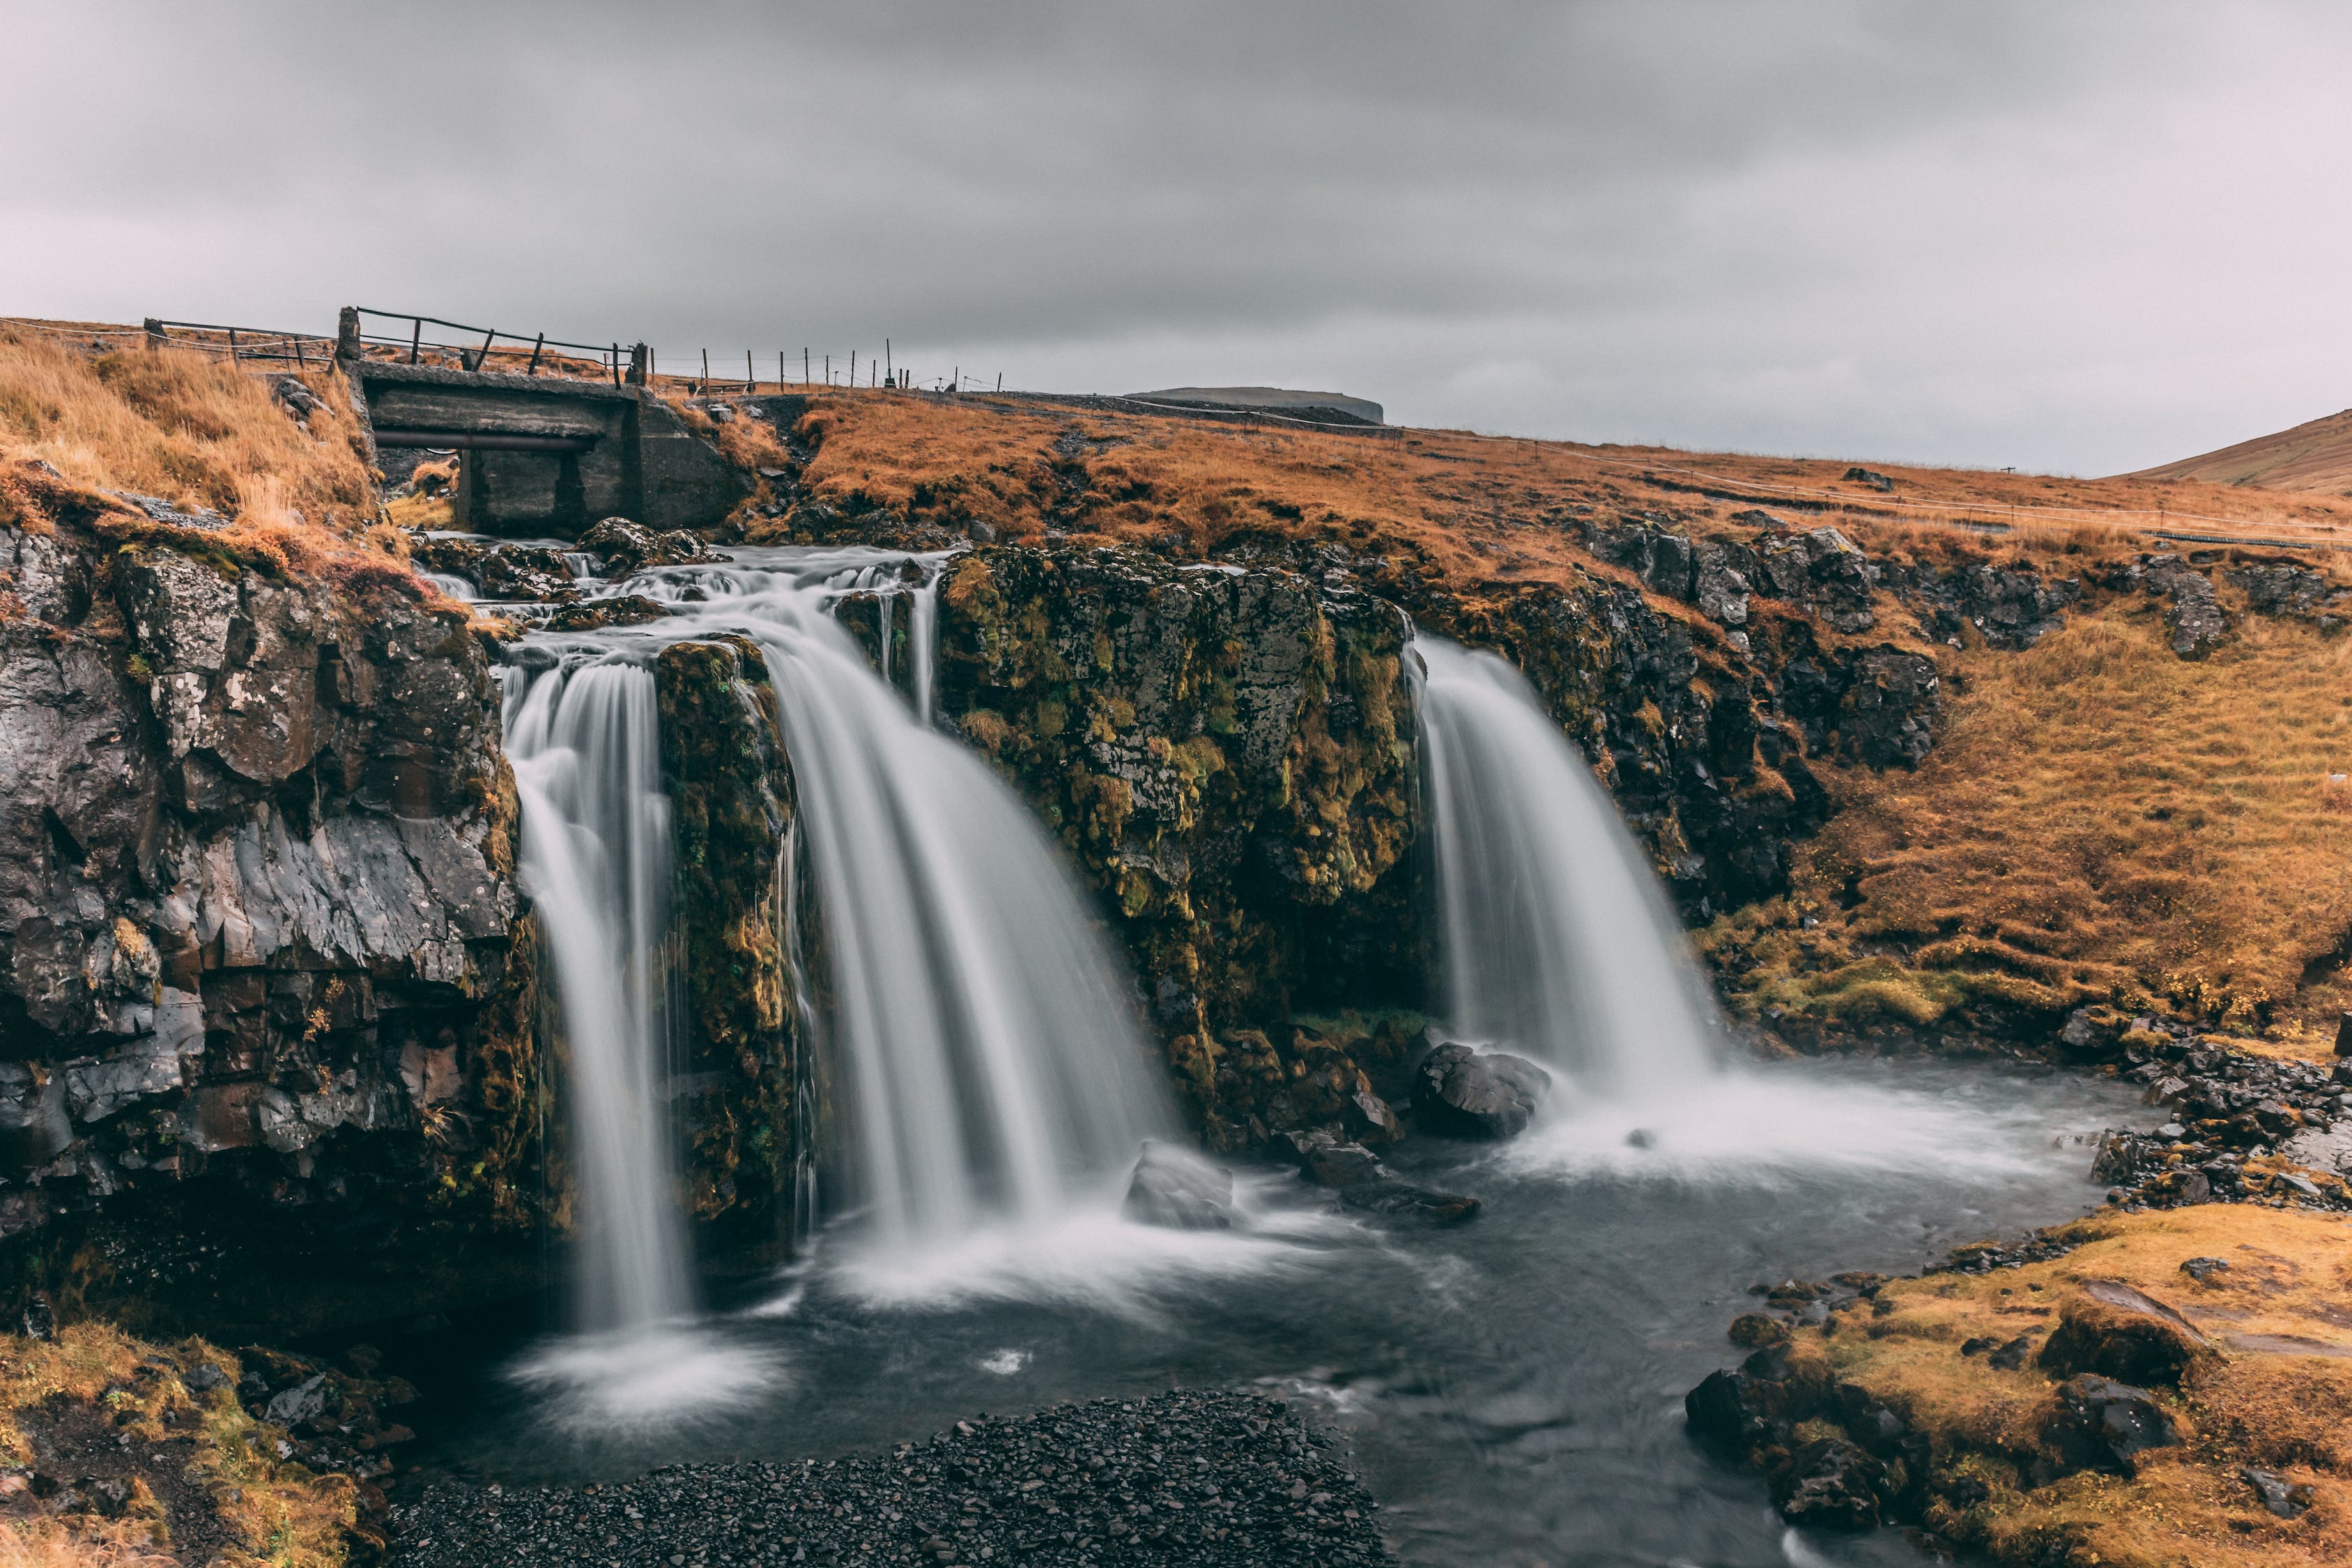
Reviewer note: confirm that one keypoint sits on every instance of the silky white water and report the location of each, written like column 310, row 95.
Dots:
column 988, row 1066
column 1558, row 940
column 596, row 862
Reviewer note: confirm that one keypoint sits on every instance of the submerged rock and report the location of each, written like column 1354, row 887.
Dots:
column 1356, row 1174
column 1474, row 1094
column 1176, row 1188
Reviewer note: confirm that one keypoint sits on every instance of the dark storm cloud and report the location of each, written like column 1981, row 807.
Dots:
column 2008, row 233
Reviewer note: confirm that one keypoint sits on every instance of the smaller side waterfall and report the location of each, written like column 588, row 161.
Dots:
column 596, row 862
column 1557, row 940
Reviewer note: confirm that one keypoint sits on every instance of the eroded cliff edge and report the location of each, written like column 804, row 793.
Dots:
column 260, row 959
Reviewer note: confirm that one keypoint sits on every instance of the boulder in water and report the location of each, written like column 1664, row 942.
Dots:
column 621, row 547
column 1178, row 1189
column 1473, row 1094
column 1356, row 1174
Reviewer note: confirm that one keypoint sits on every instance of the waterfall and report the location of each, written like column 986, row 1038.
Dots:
column 596, row 862
column 984, row 1051
column 988, row 1059
column 1558, row 939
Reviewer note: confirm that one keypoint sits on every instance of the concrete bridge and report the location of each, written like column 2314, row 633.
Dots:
column 545, row 455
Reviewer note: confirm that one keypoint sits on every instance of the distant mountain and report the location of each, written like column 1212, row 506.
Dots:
column 2314, row 457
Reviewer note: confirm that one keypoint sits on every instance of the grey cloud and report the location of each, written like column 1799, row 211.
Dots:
column 1825, row 225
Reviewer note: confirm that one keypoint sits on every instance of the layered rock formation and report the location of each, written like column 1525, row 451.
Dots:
column 257, row 915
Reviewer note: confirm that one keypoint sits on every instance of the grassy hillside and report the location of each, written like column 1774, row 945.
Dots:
column 2315, row 457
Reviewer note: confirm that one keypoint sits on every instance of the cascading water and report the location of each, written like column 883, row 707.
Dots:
column 987, row 1055
column 1557, row 940
column 596, row 861
column 987, row 1064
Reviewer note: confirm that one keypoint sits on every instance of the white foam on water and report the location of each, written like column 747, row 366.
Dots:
column 637, row 1381
column 1762, row 1124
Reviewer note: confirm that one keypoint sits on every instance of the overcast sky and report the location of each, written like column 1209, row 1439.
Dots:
column 2078, row 236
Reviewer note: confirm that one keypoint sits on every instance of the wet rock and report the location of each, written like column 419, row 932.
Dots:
column 2121, row 1333
column 1330, row 1160
column 622, row 547
column 1829, row 1483
column 1363, row 1183
column 1475, row 1094
column 2104, row 1424
column 619, row 610
column 1759, row 1402
column 1172, row 1186
column 520, row 571
column 306, row 1401
column 2011, row 1357
column 255, row 849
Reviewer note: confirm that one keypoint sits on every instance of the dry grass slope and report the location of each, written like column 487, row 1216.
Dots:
column 184, row 428
column 2100, row 821
column 2315, row 456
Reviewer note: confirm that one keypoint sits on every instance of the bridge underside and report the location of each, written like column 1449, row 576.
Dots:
column 538, row 456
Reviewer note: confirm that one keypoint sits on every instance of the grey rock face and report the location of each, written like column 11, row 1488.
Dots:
column 255, row 841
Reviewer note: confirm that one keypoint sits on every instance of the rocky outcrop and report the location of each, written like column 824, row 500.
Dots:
column 730, row 791
column 1227, row 754
column 257, row 902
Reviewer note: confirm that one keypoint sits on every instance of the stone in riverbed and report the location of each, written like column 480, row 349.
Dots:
column 1356, row 1174
column 1473, row 1094
column 1177, row 1189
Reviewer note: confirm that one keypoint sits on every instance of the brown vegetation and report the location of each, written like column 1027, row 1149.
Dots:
column 2273, row 1390
column 187, row 428
column 220, row 1461
column 2100, row 821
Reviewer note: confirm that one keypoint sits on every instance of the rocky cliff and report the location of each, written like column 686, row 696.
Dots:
column 258, row 946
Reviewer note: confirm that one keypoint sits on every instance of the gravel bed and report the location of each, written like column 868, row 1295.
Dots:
column 1181, row 1477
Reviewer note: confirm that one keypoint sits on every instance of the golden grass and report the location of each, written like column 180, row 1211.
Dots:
column 2278, row 1396
column 2099, row 821
column 1468, row 508
column 285, row 1516
column 185, row 427
column 41, row 1543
